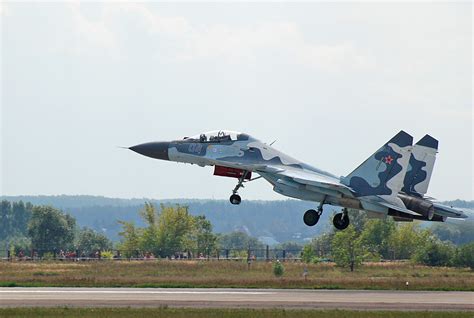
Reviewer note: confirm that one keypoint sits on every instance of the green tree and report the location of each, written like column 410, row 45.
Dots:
column 174, row 224
column 406, row 239
column 130, row 243
column 14, row 218
column 239, row 241
column 201, row 238
column 308, row 253
column 347, row 249
column 170, row 231
column 459, row 233
column 376, row 236
column 465, row 256
column 322, row 244
column 89, row 240
column 149, row 236
column 435, row 253
column 5, row 219
column 21, row 214
column 358, row 219
column 50, row 228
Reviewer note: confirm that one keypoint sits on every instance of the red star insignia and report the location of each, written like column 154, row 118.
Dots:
column 388, row 160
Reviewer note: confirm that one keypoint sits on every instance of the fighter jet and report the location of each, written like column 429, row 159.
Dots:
column 391, row 182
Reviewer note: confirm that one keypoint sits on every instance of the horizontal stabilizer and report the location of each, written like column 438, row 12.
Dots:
column 443, row 210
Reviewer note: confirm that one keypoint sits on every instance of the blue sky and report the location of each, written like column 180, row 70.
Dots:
column 330, row 82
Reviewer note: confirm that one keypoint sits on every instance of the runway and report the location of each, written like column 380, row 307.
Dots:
column 237, row 298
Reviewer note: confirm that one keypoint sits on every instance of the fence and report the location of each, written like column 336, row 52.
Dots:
column 249, row 254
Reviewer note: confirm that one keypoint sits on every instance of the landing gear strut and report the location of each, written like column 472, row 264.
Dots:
column 341, row 220
column 235, row 198
column 311, row 217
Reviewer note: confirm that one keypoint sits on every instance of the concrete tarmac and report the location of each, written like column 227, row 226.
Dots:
column 237, row 298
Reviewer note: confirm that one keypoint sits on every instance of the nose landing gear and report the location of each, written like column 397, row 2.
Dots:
column 235, row 198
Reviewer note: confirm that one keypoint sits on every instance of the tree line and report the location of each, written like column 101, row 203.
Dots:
column 171, row 231
column 25, row 227
column 377, row 239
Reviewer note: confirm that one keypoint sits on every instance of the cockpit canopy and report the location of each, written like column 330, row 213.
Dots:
column 220, row 135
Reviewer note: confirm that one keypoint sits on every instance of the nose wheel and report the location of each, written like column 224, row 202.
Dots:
column 341, row 220
column 235, row 199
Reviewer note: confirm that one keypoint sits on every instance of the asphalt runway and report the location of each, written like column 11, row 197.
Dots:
column 236, row 298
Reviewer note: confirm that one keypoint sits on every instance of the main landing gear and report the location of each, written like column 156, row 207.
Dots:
column 341, row 220
column 311, row 217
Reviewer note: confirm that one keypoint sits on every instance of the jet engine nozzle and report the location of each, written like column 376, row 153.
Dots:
column 424, row 207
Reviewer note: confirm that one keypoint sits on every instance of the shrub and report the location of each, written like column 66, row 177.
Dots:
column 315, row 260
column 435, row 253
column 48, row 256
column 347, row 249
column 308, row 254
column 465, row 256
column 107, row 255
column 278, row 269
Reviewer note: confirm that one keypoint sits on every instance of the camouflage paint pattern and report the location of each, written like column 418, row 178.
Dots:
column 374, row 185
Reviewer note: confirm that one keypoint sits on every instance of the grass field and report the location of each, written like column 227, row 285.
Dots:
column 232, row 274
column 224, row 313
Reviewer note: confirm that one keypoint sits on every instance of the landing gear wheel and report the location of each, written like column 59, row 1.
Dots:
column 235, row 199
column 311, row 217
column 341, row 221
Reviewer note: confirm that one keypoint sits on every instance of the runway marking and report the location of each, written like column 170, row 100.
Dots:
column 134, row 292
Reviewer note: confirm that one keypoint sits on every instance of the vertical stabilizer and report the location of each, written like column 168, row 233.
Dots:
column 382, row 174
column 420, row 167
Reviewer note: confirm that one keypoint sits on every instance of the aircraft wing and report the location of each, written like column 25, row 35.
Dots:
column 309, row 178
column 325, row 184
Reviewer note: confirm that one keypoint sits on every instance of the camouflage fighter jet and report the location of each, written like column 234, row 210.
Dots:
column 391, row 182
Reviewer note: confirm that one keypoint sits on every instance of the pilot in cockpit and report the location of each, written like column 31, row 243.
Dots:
column 202, row 138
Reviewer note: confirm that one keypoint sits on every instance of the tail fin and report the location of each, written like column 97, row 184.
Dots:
column 420, row 166
column 384, row 171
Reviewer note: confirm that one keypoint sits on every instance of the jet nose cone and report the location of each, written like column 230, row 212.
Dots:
column 157, row 149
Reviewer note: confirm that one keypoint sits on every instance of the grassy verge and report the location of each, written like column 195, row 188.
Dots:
column 225, row 313
column 231, row 274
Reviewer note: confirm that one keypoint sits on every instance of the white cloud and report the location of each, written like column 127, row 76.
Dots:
column 91, row 35
column 192, row 41
column 5, row 10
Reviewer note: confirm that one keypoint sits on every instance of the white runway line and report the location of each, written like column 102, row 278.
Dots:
column 132, row 292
